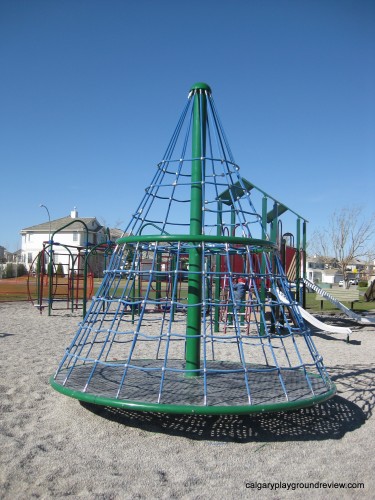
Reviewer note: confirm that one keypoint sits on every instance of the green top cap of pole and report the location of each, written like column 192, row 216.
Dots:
column 201, row 86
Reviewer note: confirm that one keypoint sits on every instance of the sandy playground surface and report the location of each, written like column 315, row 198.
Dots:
column 51, row 446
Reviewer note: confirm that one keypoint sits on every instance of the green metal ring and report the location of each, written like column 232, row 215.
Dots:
column 192, row 409
column 198, row 238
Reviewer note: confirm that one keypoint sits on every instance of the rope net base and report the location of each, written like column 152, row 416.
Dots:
column 225, row 392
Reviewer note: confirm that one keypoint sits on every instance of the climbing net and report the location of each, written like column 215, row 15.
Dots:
column 169, row 329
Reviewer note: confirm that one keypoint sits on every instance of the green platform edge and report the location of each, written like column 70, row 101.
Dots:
column 193, row 409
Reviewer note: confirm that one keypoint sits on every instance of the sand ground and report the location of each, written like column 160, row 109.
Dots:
column 51, row 446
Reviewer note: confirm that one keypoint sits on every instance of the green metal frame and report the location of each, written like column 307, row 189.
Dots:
column 88, row 251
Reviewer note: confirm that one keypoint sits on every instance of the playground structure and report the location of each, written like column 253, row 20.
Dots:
column 176, row 336
column 62, row 275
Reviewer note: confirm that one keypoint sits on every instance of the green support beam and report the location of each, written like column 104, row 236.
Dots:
column 298, row 259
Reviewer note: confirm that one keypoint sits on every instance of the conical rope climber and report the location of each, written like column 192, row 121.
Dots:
column 168, row 330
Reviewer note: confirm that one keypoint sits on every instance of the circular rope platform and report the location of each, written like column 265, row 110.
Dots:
column 226, row 387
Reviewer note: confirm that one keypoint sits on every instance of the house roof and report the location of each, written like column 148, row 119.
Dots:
column 116, row 233
column 57, row 224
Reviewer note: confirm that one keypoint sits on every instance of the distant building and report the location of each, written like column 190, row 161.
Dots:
column 9, row 257
column 320, row 270
column 71, row 233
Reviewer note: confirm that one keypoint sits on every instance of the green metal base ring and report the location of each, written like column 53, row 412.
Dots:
column 186, row 409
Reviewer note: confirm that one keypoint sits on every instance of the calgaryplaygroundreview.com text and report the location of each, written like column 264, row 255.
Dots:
column 292, row 486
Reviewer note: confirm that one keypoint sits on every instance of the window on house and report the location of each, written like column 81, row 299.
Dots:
column 75, row 236
column 29, row 258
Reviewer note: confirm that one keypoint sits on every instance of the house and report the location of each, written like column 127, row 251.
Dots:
column 70, row 235
column 319, row 270
column 10, row 263
column 314, row 269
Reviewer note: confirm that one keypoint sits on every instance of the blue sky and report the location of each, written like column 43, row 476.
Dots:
column 91, row 92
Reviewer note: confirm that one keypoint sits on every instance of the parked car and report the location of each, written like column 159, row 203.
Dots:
column 351, row 282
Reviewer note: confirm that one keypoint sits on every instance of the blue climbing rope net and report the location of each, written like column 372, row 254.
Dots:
column 255, row 351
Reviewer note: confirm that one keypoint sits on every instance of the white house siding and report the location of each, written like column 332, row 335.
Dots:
column 31, row 245
column 33, row 239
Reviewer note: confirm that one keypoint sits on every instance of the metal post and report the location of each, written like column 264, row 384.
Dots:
column 50, row 275
column 274, row 229
column 304, row 264
column 50, row 262
column 219, row 222
column 49, row 219
column 40, row 276
column 274, row 223
column 158, row 276
column 85, row 269
column 194, row 312
column 298, row 259
column 263, row 263
column 174, row 296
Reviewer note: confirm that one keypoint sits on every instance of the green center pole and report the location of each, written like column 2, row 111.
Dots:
column 194, row 312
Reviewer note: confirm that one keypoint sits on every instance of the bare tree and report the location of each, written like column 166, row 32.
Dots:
column 347, row 237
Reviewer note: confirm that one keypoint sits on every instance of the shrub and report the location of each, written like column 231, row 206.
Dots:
column 9, row 271
column 21, row 270
column 60, row 270
column 362, row 284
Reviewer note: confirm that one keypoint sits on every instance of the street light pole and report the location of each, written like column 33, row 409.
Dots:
column 49, row 219
column 50, row 265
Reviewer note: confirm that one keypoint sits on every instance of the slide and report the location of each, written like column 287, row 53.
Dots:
column 314, row 321
column 335, row 302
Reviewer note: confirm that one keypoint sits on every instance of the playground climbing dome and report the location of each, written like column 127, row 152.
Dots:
column 176, row 336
